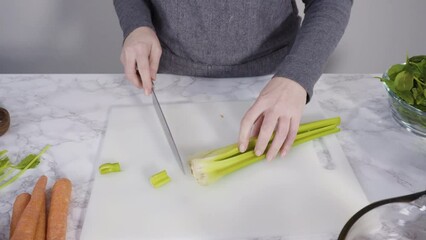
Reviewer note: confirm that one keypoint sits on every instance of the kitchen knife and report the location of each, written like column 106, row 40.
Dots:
column 166, row 130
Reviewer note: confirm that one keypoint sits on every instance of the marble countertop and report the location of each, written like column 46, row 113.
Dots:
column 70, row 112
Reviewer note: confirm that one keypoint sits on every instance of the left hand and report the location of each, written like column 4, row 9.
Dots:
column 278, row 108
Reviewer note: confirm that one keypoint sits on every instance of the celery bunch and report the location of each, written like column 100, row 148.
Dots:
column 208, row 167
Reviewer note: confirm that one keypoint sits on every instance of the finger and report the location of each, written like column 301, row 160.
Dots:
column 280, row 136
column 246, row 124
column 265, row 134
column 129, row 63
column 143, row 67
column 256, row 127
column 154, row 61
column 291, row 136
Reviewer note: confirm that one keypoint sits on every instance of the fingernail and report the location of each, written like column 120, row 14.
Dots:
column 242, row 148
column 146, row 92
column 268, row 158
column 284, row 153
column 258, row 153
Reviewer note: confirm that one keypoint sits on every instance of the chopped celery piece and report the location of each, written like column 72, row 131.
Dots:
column 109, row 168
column 159, row 179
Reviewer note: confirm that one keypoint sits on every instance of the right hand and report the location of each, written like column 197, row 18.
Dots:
column 141, row 53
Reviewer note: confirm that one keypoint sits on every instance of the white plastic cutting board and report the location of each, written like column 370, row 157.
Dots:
column 298, row 196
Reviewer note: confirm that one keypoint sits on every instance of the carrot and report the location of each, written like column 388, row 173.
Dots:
column 27, row 224
column 19, row 205
column 41, row 225
column 58, row 212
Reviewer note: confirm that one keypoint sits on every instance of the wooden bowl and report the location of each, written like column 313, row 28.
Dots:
column 4, row 121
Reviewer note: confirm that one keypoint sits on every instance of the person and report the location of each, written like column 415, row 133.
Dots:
column 238, row 38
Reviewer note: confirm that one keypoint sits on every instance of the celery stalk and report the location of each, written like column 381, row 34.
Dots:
column 12, row 179
column 232, row 150
column 224, row 152
column 318, row 124
column 209, row 167
column 315, row 131
column 315, row 136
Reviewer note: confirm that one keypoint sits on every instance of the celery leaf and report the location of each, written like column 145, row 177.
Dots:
column 27, row 160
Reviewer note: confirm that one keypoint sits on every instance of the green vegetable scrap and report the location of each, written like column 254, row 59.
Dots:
column 159, row 179
column 7, row 168
column 26, row 161
column 408, row 81
column 208, row 167
column 109, row 168
column 4, row 162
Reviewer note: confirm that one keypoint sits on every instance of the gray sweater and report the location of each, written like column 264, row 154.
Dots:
column 238, row 38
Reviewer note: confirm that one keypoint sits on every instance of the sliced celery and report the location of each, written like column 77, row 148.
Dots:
column 109, row 168
column 159, row 179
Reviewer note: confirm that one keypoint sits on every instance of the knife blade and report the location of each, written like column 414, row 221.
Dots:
column 166, row 130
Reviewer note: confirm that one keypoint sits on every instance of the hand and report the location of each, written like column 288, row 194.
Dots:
column 141, row 52
column 278, row 108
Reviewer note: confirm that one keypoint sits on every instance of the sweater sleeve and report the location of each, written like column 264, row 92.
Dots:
column 322, row 28
column 133, row 14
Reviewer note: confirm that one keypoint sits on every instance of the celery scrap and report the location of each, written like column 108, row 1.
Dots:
column 109, row 168
column 25, row 162
column 4, row 162
column 159, row 179
column 7, row 168
column 3, row 154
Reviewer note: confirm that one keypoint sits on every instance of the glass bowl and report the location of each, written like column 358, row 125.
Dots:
column 409, row 117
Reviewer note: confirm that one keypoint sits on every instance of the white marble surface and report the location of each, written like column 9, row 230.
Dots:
column 70, row 112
